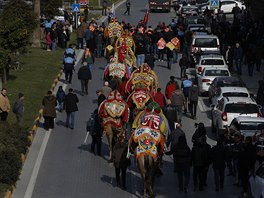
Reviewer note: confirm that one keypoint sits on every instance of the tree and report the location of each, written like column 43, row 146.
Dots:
column 37, row 31
column 50, row 7
column 17, row 23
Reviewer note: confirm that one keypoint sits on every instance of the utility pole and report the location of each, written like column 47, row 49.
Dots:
column 37, row 31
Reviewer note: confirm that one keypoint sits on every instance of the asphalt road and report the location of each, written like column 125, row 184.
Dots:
column 60, row 163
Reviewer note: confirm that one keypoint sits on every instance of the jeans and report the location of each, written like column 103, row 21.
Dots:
column 80, row 43
column 175, row 56
column 169, row 61
column 70, row 119
column 154, row 48
column 219, row 175
column 179, row 112
column 183, row 71
column 193, row 108
column 250, row 68
column 84, row 86
column 148, row 48
column 238, row 66
column 99, row 49
column 90, row 65
column 53, row 45
column 183, row 176
column 140, row 59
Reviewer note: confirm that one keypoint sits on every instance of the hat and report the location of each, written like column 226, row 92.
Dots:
column 20, row 95
column 99, row 90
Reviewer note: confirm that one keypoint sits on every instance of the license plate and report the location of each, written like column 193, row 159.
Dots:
column 160, row 8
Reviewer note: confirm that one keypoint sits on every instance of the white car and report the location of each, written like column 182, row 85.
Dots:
column 205, row 43
column 230, row 92
column 210, row 60
column 208, row 75
column 229, row 108
column 257, row 182
column 226, row 6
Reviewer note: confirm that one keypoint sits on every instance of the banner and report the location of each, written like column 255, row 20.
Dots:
column 146, row 17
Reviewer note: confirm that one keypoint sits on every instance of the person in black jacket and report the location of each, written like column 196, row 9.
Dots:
column 150, row 60
column 96, row 133
column 193, row 98
column 218, row 158
column 84, row 75
column 18, row 108
column 182, row 154
column 260, row 95
column 246, row 163
column 70, row 106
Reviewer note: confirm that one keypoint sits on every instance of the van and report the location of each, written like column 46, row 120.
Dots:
column 202, row 43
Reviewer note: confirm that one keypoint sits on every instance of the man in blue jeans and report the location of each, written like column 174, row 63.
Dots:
column 70, row 106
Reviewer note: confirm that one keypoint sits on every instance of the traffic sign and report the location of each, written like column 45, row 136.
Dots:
column 76, row 7
column 214, row 4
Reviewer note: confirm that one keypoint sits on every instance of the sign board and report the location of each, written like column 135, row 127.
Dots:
column 76, row 7
column 214, row 4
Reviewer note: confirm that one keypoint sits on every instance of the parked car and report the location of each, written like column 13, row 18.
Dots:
column 257, row 182
column 189, row 10
column 230, row 92
column 208, row 75
column 229, row 108
column 197, row 29
column 210, row 60
column 246, row 126
column 205, row 43
column 226, row 6
column 228, row 81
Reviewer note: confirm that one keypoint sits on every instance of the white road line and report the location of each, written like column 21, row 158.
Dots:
column 34, row 175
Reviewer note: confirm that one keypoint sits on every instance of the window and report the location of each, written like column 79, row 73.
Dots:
column 230, row 83
column 212, row 62
column 235, row 94
column 256, row 126
column 241, row 108
column 205, row 42
column 216, row 73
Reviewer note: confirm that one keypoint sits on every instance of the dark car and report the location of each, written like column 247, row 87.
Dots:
column 228, row 81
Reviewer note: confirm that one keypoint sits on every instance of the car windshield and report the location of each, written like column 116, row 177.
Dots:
column 194, row 20
column 229, row 83
column 256, row 126
column 212, row 62
column 235, row 94
column 216, row 73
column 241, row 108
column 205, row 42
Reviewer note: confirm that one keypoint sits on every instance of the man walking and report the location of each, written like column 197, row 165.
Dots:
column 238, row 56
column 104, row 8
column 193, row 98
column 178, row 100
column 4, row 104
column 70, row 106
column 127, row 7
column 68, row 68
column 84, row 75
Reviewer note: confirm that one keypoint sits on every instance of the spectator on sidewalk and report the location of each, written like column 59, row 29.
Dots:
column 96, row 133
column 79, row 35
column 60, row 96
column 229, row 58
column 186, row 85
column 84, row 75
column 100, row 97
column 18, row 108
column 70, row 106
column 4, row 105
column 49, row 110
column 88, row 57
column 171, row 114
column 184, row 64
column 150, row 60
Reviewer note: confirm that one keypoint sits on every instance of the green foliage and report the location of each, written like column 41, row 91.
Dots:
column 17, row 24
column 4, row 58
column 50, row 7
column 13, row 142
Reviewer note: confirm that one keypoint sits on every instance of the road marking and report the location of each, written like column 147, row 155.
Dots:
column 34, row 175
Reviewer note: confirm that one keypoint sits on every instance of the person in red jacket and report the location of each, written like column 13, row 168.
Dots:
column 170, row 87
column 160, row 98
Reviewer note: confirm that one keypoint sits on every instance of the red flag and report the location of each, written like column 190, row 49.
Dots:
column 146, row 17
